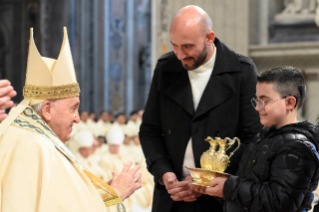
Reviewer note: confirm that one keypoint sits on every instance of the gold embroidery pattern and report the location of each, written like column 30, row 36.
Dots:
column 108, row 194
column 30, row 120
column 31, row 114
column 51, row 92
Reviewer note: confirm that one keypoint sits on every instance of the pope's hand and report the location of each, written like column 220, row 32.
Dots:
column 127, row 181
column 6, row 93
column 179, row 191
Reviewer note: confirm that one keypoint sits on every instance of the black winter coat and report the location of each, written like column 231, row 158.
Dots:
column 170, row 119
column 277, row 172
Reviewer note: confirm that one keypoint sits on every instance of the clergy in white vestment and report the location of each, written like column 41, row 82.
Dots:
column 92, row 117
column 37, row 171
column 89, row 124
column 120, row 121
column 102, row 147
column 140, row 117
column 77, row 127
column 96, row 155
column 114, row 160
column 132, row 126
column 103, row 125
column 84, row 141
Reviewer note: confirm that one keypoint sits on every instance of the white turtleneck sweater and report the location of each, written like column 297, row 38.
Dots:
column 198, row 78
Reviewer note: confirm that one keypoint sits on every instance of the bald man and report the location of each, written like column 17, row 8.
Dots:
column 6, row 93
column 200, row 89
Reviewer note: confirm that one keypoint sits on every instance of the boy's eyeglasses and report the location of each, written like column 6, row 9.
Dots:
column 262, row 104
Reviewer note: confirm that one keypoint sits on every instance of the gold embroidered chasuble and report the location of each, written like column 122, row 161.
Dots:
column 39, row 173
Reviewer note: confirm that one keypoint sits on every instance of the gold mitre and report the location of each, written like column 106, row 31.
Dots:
column 48, row 78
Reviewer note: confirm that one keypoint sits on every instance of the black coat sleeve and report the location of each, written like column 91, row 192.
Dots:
column 151, row 133
column 284, row 191
column 248, row 123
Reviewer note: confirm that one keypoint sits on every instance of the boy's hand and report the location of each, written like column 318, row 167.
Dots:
column 216, row 189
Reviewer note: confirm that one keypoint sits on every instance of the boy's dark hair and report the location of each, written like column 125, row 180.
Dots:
column 287, row 81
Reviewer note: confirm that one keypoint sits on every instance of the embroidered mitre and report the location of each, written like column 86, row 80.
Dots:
column 47, row 78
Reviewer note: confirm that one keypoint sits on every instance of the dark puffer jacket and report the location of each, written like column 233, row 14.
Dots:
column 277, row 172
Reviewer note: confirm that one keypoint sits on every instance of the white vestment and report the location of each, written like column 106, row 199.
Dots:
column 39, row 174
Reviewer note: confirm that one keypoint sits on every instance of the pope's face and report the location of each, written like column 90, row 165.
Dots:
column 64, row 113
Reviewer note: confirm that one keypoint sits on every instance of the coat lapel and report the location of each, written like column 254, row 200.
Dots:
column 175, row 84
column 216, row 92
column 219, row 87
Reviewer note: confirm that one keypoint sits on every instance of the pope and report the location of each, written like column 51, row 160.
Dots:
column 37, row 170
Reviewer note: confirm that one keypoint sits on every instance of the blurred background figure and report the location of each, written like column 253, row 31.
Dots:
column 140, row 117
column 97, row 151
column 91, row 124
column 132, row 144
column 115, row 158
column 92, row 117
column 83, row 124
column 101, row 148
column 132, row 127
column 77, row 127
column 84, row 140
column 111, row 118
column 103, row 125
column 102, row 140
column 120, row 121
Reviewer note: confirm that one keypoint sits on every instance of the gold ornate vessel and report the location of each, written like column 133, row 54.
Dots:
column 213, row 162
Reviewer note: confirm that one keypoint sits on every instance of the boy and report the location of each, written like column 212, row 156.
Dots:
column 279, row 169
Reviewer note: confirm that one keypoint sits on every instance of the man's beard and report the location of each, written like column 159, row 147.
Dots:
column 198, row 61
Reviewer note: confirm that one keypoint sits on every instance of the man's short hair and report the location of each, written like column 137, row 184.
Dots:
column 287, row 81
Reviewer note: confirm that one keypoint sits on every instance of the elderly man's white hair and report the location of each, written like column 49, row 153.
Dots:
column 38, row 107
